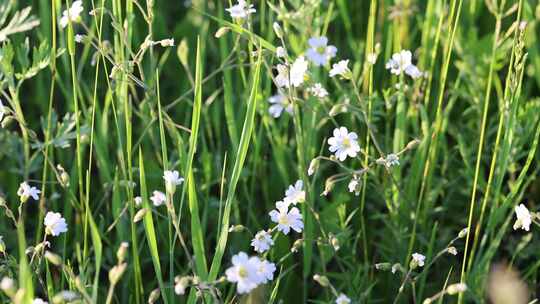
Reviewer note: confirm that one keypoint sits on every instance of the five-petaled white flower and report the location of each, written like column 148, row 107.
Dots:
column 295, row 194
column 54, row 223
column 343, row 299
column 262, row 241
column 279, row 103
column 287, row 219
column 318, row 90
column 343, row 143
column 172, row 179
column 265, row 270
column 26, row 191
column 418, row 259
column 241, row 10
column 39, row 301
column 320, row 52
column 158, row 198
column 354, row 186
column 340, row 68
column 72, row 14
column 402, row 62
column 243, row 272
column 524, row 218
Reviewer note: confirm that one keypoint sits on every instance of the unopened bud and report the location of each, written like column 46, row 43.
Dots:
column 313, row 166
column 181, row 283
column 463, row 233
column 452, row 250
column 412, row 144
column 456, row 288
column 154, row 295
column 65, row 296
column 328, row 186
column 53, row 258
column 222, row 31
column 115, row 274
column 237, row 228
column 322, row 280
column 8, row 286
column 383, row 266
column 334, row 242
column 122, row 252
column 297, row 245
column 140, row 214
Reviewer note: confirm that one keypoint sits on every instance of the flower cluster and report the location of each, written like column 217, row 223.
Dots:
column 249, row 272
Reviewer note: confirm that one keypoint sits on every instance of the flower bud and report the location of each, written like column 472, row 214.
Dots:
column 53, row 258
column 222, row 31
column 412, row 144
column 463, row 233
column 237, row 228
column 154, row 296
column 383, row 266
column 8, row 286
column 452, row 250
column 456, row 288
column 122, row 252
column 181, row 283
column 322, row 280
column 278, row 30
column 140, row 214
column 334, row 242
column 313, row 166
column 297, row 245
column 115, row 274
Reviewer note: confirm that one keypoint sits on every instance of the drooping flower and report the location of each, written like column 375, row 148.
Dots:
column 265, row 270
column 341, row 68
column 320, row 52
column 295, row 194
column 26, row 191
column 172, row 179
column 354, row 186
column 243, row 272
column 158, row 198
column 279, row 103
column 343, row 299
column 241, row 10
column 287, row 219
column 524, row 218
column 262, row 241
column 343, row 143
column 413, row 71
column 54, row 223
column 318, row 90
column 39, row 301
column 418, row 259
column 73, row 14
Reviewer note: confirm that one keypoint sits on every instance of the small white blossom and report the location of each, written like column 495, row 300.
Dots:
column 287, row 219
column 318, row 90
column 265, row 270
column 262, row 241
column 343, row 143
column 39, row 301
column 138, row 200
column 320, row 52
column 413, row 71
column 372, row 58
column 158, row 198
column 354, row 186
column 54, row 223
column 280, row 52
column 402, row 62
column 243, row 272
column 524, row 218
column 172, row 179
column 279, row 103
column 180, row 285
column 241, row 10
column 282, row 78
column 295, row 194
column 343, row 299
column 340, row 68
column 418, row 259
column 72, row 14
column 26, row 191
column 79, row 38
column 298, row 71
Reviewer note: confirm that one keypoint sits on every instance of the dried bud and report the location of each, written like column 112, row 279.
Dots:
column 297, row 245
column 313, row 166
column 452, row 250
column 413, row 144
column 53, row 258
column 322, row 280
column 328, row 186
column 122, row 252
column 383, row 266
column 154, row 295
column 140, row 214
column 456, row 288
column 334, row 242
column 63, row 176
column 463, row 233
column 237, row 228
column 115, row 274
column 222, row 31
column 181, row 283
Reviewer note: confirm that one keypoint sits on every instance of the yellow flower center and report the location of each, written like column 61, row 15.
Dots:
column 283, row 219
column 321, row 50
column 242, row 272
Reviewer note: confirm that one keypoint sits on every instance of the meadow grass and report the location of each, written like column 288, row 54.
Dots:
column 222, row 152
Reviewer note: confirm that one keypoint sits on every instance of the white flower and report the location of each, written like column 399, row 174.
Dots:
column 241, row 10
column 243, row 272
column 287, row 219
column 343, row 299
column 399, row 62
column 166, row 42
column 280, row 52
column 372, row 58
column 320, row 52
column 26, row 191
column 158, row 198
column 343, row 143
column 282, row 78
column 418, row 259
column 524, row 218
column 39, row 301
column 79, row 38
column 279, row 103
column 3, row 111
column 318, row 90
column 262, row 241
column 340, row 68
column 298, row 71
column 354, row 186
column 138, row 200
column 265, row 270
column 172, row 179
column 72, row 14
column 390, row 160
column 55, row 223
column 180, row 285
column 413, row 71
column 295, row 194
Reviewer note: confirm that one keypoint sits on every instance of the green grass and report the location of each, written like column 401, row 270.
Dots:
column 94, row 124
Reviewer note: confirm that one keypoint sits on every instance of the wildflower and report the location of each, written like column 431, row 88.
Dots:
column 389, row 161
column 320, row 52
column 55, row 224
column 181, row 283
column 26, row 191
column 295, row 194
column 343, row 299
column 279, row 103
column 243, row 272
column 524, row 218
column 402, row 62
column 241, row 10
column 265, row 270
column 354, row 186
column 456, row 288
column 417, row 260
column 413, row 71
column 298, row 71
column 313, row 166
column 372, row 58
column 158, row 198
column 287, row 219
column 318, row 90
column 340, row 68
column 262, row 241
column 282, row 78
column 281, row 52
column 8, row 286
column 138, row 200
column 343, row 143
column 452, row 250
column 172, row 179
column 79, row 38
column 73, row 14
